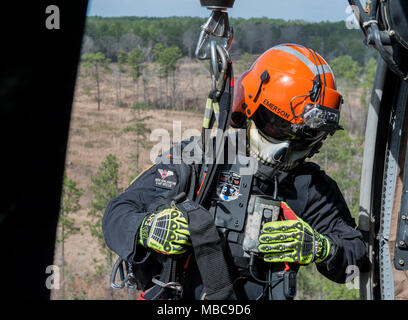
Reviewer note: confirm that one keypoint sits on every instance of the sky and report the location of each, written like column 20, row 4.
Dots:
column 308, row 10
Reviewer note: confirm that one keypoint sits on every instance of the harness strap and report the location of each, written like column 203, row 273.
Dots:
column 208, row 252
column 157, row 291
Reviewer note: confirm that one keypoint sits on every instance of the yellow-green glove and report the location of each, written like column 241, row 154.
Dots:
column 165, row 231
column 292, row 240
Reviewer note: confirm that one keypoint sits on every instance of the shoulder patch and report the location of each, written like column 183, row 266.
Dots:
column 165, row 178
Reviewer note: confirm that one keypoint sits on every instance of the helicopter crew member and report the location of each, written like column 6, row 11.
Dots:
column 288, row 103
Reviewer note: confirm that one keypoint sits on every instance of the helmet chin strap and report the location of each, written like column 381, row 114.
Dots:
column 277, row 154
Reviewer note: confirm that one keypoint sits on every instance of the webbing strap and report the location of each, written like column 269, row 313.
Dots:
column 208, row 252
column 211, row 107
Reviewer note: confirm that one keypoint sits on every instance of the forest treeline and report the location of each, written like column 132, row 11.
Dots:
column 253, row 36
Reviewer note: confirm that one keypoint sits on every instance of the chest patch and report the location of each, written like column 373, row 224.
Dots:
column 165, row 179
column 228, row 185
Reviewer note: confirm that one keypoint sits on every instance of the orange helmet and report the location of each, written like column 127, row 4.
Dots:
column 289, row 89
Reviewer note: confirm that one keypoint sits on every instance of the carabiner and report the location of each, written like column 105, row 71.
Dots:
column 126, row 281
column 176, row 286
column 218, row 67
column 118, row 266
column 217, row 26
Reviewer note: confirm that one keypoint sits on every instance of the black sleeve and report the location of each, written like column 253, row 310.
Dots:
column 327, row 212
column 153, row 189
column 124, row 215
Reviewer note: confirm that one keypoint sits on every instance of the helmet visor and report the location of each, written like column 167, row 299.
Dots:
column 239, row 94
column 277, row 128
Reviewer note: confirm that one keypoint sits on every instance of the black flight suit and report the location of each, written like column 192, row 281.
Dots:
column 312, row 195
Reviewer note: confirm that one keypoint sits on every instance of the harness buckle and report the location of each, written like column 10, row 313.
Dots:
column 176, row 286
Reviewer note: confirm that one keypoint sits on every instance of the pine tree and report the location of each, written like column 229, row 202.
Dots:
column 71, row 195
column 157, row 50
column 122, row 58
column 168, row 60
column 135, row 61
column 141, row 130
column 92, row 64
column 105, row 187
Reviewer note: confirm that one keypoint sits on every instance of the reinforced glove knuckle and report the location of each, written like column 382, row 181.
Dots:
column 166, row 232
column 292, row 241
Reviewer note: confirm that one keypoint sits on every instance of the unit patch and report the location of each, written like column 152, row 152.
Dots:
column 228, row 185
column 165, row 179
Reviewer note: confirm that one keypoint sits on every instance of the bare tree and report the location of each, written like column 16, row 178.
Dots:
column 130, row 41
column 148, row 51
column 252, row 37
column 290, row 34
column 267, row 39
column 189, row 41
column 108, row 45
column 88, row 45
column 145, row 80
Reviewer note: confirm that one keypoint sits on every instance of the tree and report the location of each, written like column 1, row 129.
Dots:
column 122, row 58
column 255, row 35
column 129, row 41
column 369, row 74
column 251, row 37
column 189, row 41
column 92, row 63
column 346, row 68
column 168, row 59
column 88, row 45
column 157, row 50
column 108, row 46
column 116, row 30
column 316, row 43
column 349, row 74
column 245, row 62
column 105, row 187
column 341, row 156
column 71, row 195
column 367, row 83
column 140, row 128
column 135, row 61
